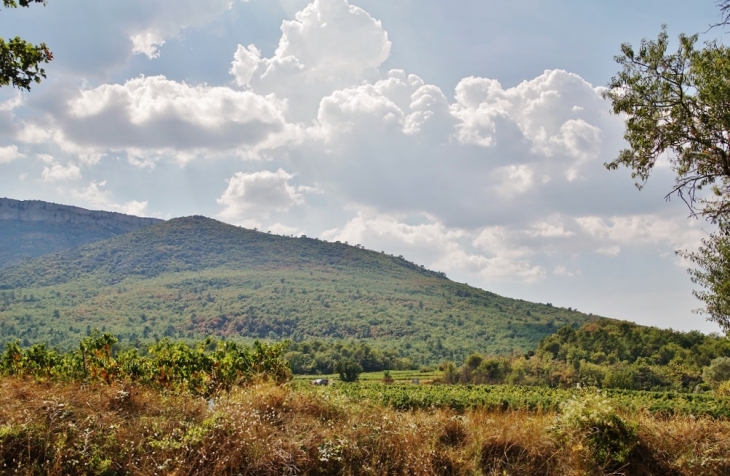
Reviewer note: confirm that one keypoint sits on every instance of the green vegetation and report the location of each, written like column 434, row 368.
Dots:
column 675, row 106
column 193, row 277
column 20, row 61
column 349, row 370
column 607, row 354
column 529, row 398
column 206, row 369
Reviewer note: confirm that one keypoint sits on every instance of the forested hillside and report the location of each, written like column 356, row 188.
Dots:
column 608, row 354
column 194, row 276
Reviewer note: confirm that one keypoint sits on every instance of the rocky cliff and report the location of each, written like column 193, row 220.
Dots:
column 38, row 211
column 32, row 228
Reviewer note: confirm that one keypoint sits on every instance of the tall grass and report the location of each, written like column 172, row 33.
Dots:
column 64, row 428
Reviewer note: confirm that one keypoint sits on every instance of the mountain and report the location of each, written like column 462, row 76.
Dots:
column 194, row 276
column 34, row 228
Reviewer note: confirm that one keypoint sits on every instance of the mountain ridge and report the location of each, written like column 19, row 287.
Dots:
column 194, row 276
column 33, row 228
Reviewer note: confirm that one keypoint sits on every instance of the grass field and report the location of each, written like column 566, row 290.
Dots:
column 57, row 428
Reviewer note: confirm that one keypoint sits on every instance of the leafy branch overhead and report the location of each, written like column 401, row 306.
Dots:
column 677, row 109
column 20, row 61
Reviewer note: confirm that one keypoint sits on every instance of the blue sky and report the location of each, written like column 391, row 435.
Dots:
column 468, row 136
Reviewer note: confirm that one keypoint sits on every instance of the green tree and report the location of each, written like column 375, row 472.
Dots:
column 20, row 61
column 676, row 107
column 717, row 372
column 348, row 369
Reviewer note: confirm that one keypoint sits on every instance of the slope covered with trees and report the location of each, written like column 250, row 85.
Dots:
column 608, row 354
column 191, row 277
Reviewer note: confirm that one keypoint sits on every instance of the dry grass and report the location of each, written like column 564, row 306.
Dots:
column 53, row 428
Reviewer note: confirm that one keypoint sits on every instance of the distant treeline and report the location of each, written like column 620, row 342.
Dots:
column 606, row 354
column 321, row 357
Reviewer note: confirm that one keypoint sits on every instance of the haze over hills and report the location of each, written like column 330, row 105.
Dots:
column 34, row 228
column 194, row 276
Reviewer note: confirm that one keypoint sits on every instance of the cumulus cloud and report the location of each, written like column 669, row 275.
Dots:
column 258, row 194
column 328, row 45
column 152, row 117
column 553, row 112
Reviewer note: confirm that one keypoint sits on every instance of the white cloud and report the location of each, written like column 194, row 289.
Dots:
column 281, row 229
column 640, row 230
column 147, row 42
column 9, row 153
column 489, row 254
column 552, row 111
column 12, row 103
column 57, row 172
column 544, row 229
column 258, row 194
column 563, row 272
column 165, row 19
column 514, row 179
column 95, row 198
column 152, row 117
column 330, row 44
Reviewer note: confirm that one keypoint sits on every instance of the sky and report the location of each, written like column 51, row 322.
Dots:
column 468, row 136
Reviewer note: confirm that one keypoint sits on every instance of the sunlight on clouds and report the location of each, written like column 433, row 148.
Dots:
column 328, row 45
column 148, row 43
column 258, row 194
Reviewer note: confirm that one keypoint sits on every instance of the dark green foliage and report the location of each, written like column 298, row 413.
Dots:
column 530, row 398
column 607, row 354
column 192, row 277
column 348, row 369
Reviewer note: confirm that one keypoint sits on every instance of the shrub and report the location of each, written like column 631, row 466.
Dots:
column 589, row 425
column 348, row 369
column 717, row 372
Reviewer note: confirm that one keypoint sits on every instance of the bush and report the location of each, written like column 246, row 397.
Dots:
column 349, row 370
column 717, row 372
column 589, row 425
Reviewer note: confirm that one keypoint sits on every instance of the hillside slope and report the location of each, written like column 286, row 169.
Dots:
column 195, row 276
column 29, row 229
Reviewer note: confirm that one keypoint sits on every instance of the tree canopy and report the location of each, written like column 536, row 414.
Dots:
column 20, row 61
column 677, row 108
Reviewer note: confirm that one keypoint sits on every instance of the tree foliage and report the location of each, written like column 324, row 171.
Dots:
column 677, row 108
column 348, row 369
column 20, row 61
